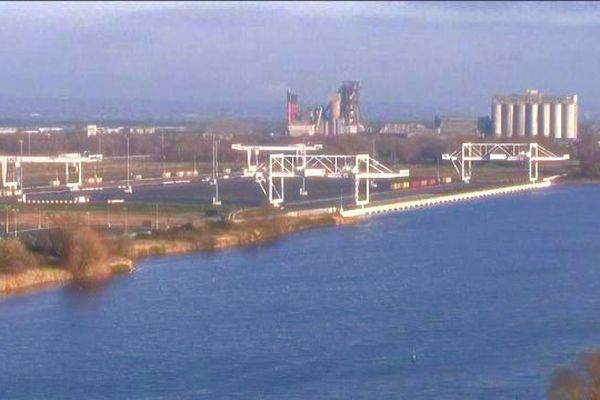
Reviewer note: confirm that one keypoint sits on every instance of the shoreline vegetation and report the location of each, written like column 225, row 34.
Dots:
column 74, row 252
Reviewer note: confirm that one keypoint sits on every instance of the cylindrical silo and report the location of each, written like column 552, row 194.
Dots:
column 575, row 101
column 570, row 122
column 497, row 119
column 531, row 116
column 519, row 129
column 507, row 119
column 556, row 121
column 545, row 119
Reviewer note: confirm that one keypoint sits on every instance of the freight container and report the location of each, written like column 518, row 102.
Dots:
column 433, row 182
column 448, row 179
column 399, row 185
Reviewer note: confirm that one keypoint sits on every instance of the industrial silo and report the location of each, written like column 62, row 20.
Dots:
column 497, row 119
column 507, row 119
column 335, row 113
column 569, row 121
column 556, row 120
column 519, row 129
column 531, row 119
column 545, row 119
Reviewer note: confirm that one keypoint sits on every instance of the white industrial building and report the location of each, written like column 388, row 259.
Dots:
column 535, row 115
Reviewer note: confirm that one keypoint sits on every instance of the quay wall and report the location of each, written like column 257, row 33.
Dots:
column 442, row 199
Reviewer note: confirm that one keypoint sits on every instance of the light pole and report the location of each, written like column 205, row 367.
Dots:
column 128, row 167
column 16, row 211
column 126, row 221
column 29, row 143
column 216, row 201
column 99, row 152
column 162, row 150
column 108, row 215
column 20, row 165
column 156, row 216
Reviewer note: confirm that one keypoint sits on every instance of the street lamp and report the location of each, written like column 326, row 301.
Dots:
column 15, row 212
column 21, row 166
column 108, row 215
column 126, row 222
column 216, row 201
column 128, row 190
column 156, row 216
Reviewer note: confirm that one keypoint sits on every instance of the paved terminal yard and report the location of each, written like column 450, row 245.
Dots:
column 168, row 202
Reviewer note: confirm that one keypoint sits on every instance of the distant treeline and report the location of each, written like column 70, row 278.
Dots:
column 197, row 144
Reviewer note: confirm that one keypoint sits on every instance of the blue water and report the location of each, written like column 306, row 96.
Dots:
column 478, row 300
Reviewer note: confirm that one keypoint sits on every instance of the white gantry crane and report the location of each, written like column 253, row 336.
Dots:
column 256, row 169
column 72, row 162
column 298, row 163
column 532, row 153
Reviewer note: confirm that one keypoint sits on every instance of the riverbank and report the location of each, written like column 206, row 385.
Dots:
column 180, row 240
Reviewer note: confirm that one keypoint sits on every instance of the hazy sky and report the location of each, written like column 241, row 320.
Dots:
column 447, row 57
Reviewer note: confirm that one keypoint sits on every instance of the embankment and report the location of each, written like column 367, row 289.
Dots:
column 177, row 241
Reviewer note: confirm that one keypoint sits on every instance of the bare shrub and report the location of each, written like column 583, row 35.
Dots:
column 86, row 253
column 14, row 257
column 79, row 249
column 581, row 382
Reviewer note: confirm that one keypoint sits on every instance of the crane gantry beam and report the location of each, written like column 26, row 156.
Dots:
column 253, row 151
column 295, row 161
column 533, row 153
column 362, row 167
column 72, row 161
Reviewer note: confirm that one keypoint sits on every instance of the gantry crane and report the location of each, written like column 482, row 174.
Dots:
column 362, row 167
column 533, row 153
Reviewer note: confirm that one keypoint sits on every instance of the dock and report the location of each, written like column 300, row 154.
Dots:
column 443, row 199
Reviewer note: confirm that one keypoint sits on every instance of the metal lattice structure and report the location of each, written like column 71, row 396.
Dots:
column 72, row 162
column 253, row 152
column 300, row 164
column 532, row 153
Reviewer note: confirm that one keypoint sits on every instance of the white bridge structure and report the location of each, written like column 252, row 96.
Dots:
column 295, row 161
column 12, row 173
column 532, row 153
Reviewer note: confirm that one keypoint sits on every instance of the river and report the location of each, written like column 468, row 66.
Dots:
column 474, row 300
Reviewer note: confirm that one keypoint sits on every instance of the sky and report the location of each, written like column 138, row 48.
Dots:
column 411, row 58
